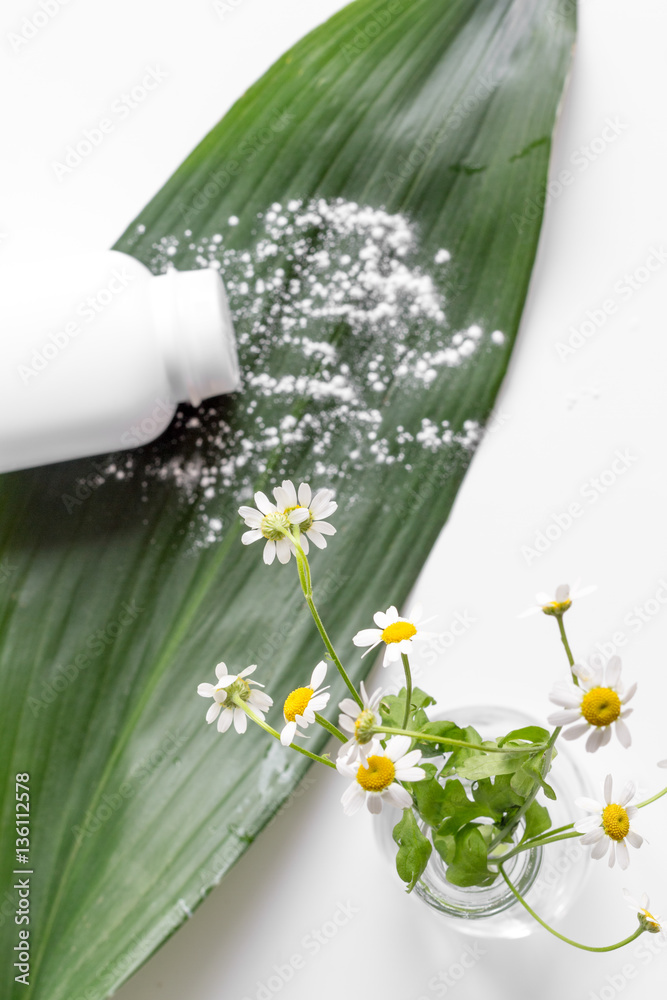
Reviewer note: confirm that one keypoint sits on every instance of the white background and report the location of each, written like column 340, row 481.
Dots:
column 560, row 423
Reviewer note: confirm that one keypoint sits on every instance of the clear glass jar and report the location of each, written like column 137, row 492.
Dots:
column 549, row 878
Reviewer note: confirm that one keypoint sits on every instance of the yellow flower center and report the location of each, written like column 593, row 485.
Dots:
column 556, row 607
column 304, row 525
column 600, row 706
column 615, row 822
column 378, row 775
column 398, row 631
column 274, row 526
column 297, row 702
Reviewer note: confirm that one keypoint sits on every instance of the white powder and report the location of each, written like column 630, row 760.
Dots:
column 342, row 265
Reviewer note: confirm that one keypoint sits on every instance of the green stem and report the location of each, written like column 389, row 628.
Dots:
column 647, row 802
column 267, row 728
column 575, row 944
column 408, row 689
column 330, row 728
column 307, row 588
column 570, row 658
column 532, row 795
column 537, row 842
column 446, row 739
column 548, row 833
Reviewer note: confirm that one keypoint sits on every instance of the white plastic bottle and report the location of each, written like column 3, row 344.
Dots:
column 96, row 353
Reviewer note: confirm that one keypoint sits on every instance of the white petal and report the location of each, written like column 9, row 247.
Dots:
column 324, row 528
column 283, row 550
column 600, row 848
column 321, row 499
column 305, row 494
column 264, row 504
column 410, row 773
column 326, row 511
column 346, row 723
column 344, row 767
column 622, row 855
column 613, row 673
column 391, row 653
column 260, row 701
column 627, row 793
column 398, row 796
column 299, row 515
column 349, row 706
column 248, row 537
column 591, row 836
column 367, row 637
column 374, row 802
column 635, row 840
column 248, row 671
column 566, row 697
column 282, row 498
column 630, row 692
column 623, row 734
column 562, row 592
column 316, row 538
column 381, row 620
column 409, row 760
column 205, row 690
column 608, row 788
column 252, row 517
column 398, row 747
column 213, row 712
column 319, row 702
column 612, row 853
column 288, row 733
column 269, row 552
column 225, row 720
column 352, row 798
column 318, row 675
column 631, row 811
column 221, row 670
column 597, row 739
column 564, row 718
column 590, row 805
column 575, row 731
column 240, row 720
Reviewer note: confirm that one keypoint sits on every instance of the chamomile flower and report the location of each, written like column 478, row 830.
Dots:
column 226, row 694
column 397, row 633
column 607, row 827
column 360, row 723
column 648, row 921
column 313, row 526
column 378, row 781
column 561, row 602
column 595, row 706
column 272, row 524
column 300, row 706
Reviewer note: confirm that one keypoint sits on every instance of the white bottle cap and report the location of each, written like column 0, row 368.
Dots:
column 195, row 326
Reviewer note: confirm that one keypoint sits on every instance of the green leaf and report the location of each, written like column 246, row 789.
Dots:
column 487, row 765
column 460, row 755
column 124, row 580
column 469, row 866
column 537, row 820
column 392, row 707
column 532, row 734
column 460, row 809
column 414, row 849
